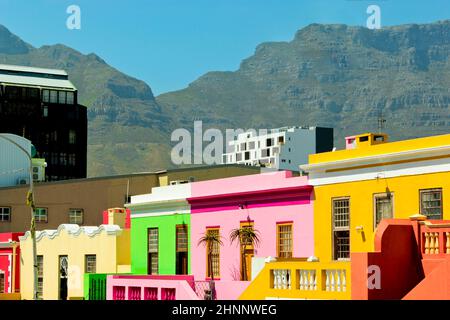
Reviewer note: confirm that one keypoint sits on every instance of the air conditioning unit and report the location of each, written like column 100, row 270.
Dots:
column 22, row 181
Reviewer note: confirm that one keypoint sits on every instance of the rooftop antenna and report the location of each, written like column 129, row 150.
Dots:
column 381, row 122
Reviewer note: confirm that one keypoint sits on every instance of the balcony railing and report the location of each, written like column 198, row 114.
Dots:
column 310, row 280
column 435, row 238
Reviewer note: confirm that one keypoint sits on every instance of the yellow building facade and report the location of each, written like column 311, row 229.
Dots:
column 67, row 253
column 354, row 189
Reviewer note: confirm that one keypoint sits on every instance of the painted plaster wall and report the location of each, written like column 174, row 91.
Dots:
column 255, row 182
column 265, row 218
column 103, row 245
column 6, row 262
column 183, row 291
column 406, row 203
column 166, row 225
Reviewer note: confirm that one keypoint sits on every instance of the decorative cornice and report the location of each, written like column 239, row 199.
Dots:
column 378, row 159
column 74, row 230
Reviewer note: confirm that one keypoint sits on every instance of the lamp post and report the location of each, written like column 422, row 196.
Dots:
column 30, row 202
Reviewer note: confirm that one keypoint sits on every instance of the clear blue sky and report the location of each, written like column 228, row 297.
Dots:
column 169, row 43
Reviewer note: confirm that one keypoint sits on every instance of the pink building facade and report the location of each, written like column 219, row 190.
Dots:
column 278, row 205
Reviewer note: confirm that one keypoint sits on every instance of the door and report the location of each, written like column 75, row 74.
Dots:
column 248, row 254
column 153, row 248
column 181, row 249
column 63, row 272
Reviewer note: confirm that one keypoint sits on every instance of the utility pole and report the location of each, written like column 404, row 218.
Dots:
column 30, row 203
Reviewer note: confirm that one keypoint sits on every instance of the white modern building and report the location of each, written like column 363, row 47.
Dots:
column 14, row 163
column 281, row 149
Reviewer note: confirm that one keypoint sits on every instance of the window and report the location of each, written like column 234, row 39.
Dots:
column 76, row 216
column 54, row 136
column 269, row 142
column 2, row 282
column 383, row 207
column 182, row 238
column 281, row 139
column 41, row 214
column 215, row 255
column 247, row 155
column 238, row 156
column 363, row 139
column 72, row 137
column 70, row 97
column 62, row 159
column 265, row 152
column 243, row 146
column 251, row 145
column 284, row 240
column 153, row 243
column 431, row 203
column 40, row 271
column 90, row 263
column 72, row 159
column 54, row 158
column 181, row 262
column 46, row 95
column 62, row 97
column 45, row 111
column 53, row 96
column 341, row 228
column 5, row 214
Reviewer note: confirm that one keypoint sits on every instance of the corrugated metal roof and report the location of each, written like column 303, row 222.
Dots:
column 8, row 67
column 36, row 81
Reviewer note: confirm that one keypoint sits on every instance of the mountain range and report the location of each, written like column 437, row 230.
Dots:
column 340, row 76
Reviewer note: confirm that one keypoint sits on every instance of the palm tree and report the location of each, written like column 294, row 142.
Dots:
column 246, row 236
column 211, row 239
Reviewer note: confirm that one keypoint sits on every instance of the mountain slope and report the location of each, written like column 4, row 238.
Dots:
column 328, row 75
column 126, row 125
column 332, row 75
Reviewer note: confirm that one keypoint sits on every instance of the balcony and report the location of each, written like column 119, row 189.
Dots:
column 300, row 279
column 435, row 239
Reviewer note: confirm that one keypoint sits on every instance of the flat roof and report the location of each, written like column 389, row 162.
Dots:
column 36, row 77
column 137, row 174
column 8, row 67
column 36, row 82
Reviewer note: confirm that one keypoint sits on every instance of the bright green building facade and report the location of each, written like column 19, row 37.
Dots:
column 160, row 231
column 167, row 244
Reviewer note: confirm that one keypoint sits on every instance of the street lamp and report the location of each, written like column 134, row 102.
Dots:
column 30, row 202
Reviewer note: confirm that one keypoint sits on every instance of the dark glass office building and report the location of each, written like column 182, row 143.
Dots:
column 42, row 106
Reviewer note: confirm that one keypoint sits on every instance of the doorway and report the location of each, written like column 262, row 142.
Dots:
column 63, row 272
column 181, row 249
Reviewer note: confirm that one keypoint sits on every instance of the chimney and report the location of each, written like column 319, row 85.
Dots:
column 117, row 216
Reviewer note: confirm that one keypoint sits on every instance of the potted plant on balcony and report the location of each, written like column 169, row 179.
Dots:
column 247, row 237
column 210, row 240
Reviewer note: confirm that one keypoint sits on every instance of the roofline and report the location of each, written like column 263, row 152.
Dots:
column 332, row 164
column 38, row 70
column 129, row 175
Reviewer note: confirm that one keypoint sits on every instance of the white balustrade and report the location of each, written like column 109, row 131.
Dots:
column 307, row 280
column 335, row 280
column 281, row 279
